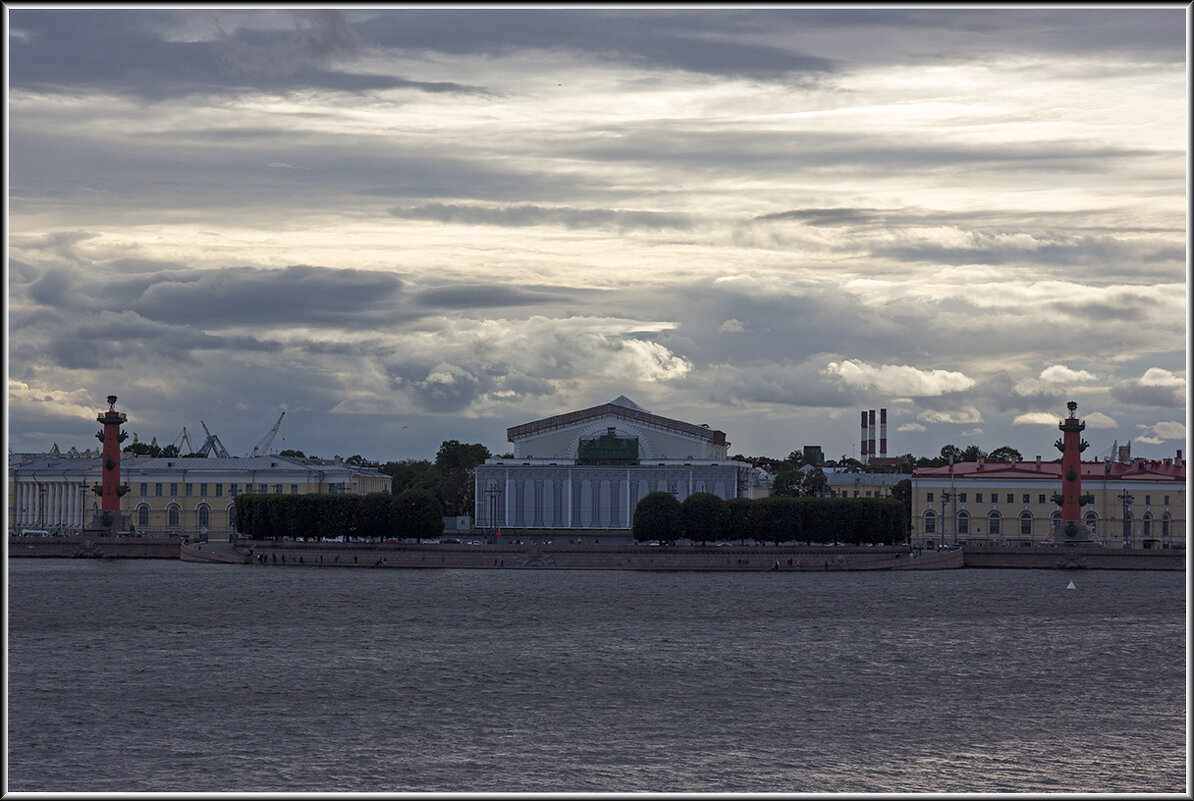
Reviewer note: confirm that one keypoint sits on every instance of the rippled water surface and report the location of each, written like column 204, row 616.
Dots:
column 146, row 675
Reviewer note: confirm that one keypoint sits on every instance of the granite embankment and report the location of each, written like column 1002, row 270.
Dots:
column 593, row 556
column 98, row 547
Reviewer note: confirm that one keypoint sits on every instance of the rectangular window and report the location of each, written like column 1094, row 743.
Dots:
column 232, row 490
column 978, row 497
column 264, row 488
column 1148, row 499
column 928, row 497
column 1166, row 499
column 294, row 489
column 963, row 524
column 1026, row 526
column 1011, row 498
column 993, row 525
column 144, row 490
column 1040, row 499
column 930, row 524
column 868, row 493
column 202, row 490
column 219, row 490
column 1026, row 497
column 962, row 497
column 277, row 489
column 187, row 488
column 173, row 490
column 157, row 490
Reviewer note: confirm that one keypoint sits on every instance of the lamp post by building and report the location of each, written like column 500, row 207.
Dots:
column 945, row 500
column 493, row 493
column 1126, row 499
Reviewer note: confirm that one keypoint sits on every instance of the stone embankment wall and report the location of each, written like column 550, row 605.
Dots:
column 1091, row 557
column 95, row 546
column 595, row 557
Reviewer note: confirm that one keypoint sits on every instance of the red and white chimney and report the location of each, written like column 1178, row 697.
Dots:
column 882, row 433
column 871, row 434
column 863, row 451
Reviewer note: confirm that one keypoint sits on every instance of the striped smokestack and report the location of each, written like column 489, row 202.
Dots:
column 871, row 437
column 864, row 443
column 882, row 433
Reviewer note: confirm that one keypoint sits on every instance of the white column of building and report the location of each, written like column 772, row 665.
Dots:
column 568, row 489
column 629, row 517
column 510, row 489
column 53, row 517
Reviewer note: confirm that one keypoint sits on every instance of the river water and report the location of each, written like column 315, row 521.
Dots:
column 147, row 675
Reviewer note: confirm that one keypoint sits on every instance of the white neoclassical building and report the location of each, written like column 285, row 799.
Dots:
column 184, row 496
column 588, row 469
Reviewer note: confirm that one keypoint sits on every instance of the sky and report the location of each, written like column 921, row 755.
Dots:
column 401, row 226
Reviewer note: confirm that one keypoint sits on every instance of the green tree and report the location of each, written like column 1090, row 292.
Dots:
column 293, row 453
column 702, row 517
column 740, row 514
column 972, row 453
column 1005, row 454
column 418, row 514
column 455, row 462
column 657, row 517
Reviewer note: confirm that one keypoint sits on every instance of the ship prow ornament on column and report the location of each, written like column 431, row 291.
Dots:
column 1070, row 499
column 108, row 518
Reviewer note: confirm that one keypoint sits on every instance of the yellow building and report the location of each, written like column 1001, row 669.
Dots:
column 170, row 496
column 1137, row 504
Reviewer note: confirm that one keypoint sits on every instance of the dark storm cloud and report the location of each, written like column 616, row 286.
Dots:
column 526, row 214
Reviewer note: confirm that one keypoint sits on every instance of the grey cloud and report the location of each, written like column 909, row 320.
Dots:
column 698, row 42
column 476, row 296
column 526, row 214
column 123, row 52
column 299, row 295
column 1136, row 393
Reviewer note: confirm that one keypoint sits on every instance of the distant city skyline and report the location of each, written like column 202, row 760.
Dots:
column 410, row 225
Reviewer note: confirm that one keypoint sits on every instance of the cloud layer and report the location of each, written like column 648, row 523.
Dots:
column 411, row 225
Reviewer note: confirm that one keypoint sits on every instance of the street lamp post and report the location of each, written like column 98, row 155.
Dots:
column 945, row 500
column 492, row 493
column 1127, row 501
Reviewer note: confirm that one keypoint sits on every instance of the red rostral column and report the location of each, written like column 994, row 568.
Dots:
column 111, row 489
column 1071, row 498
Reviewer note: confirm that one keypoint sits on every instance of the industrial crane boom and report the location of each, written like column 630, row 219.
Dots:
column 212, row 443
column 262, row 447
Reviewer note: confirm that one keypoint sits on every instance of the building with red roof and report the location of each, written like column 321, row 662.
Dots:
column 1137, row 503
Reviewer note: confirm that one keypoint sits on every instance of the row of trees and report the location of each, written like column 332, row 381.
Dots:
column 703, row 517
column 449, row 478
column 378, row 515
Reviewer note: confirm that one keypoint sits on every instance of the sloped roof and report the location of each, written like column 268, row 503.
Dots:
column 621, row 407
column 1138, row 469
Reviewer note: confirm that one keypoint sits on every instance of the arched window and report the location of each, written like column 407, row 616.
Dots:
column 993, row 523
column 963, row 523
column 232, row 517
column 930, row 522
column 1165, row 525
column 142, row 516
column 172, row 514
column 204, row 516
column 1091, row 523
column 1026, row 524
column 1147, row 524
column 1055, row 524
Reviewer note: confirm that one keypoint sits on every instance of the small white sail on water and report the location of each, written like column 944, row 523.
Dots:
column 1071, row 586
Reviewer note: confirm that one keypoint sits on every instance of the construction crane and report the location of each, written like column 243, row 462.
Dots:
column 262, row 447
column 183, row 437
column 212, row 444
